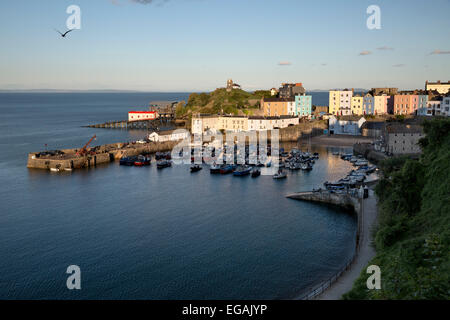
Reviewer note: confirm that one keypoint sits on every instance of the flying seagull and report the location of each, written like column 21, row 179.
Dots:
column 63, row 34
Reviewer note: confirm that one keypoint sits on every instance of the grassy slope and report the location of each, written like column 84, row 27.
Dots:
column 413, row 236
column 236, row 102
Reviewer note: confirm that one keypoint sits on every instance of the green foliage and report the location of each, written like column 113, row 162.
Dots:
column 180, row 109
column 221, row 100
column 413, row 234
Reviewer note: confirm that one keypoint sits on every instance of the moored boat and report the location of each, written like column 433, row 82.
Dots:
column 280, row 175
column 142, row 161
column 127, row 161
column 256, row 173
column 227, row 168
column 196, row 167
column 242, row 171
column 215, row 168
column 163, row 164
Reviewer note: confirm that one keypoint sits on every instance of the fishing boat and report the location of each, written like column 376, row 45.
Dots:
column 127, row 161
column 227, row 168
column 242, row 171
column 196, row 167
column 280, row 175
column 215, row 168
column 163, row 164
column 335, row 153
column 256, row 173
column 142, row 161
column 361, row 163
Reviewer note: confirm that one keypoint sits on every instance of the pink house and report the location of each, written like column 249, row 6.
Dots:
column 406, row 103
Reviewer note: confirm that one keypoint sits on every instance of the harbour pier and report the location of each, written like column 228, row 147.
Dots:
column 69, row 159
column 153, row 124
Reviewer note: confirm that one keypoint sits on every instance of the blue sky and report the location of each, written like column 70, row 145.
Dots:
column 195, row 45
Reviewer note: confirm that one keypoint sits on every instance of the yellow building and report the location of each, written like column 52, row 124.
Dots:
column 441, row 87
column 357, row 105
column 275, row 107
column 334, row 104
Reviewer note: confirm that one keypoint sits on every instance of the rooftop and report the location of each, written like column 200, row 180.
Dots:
column 279, row 99
column 404, row 128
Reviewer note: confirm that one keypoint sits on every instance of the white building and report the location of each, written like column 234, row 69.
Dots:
column 214, row 123
column 168, row 135
column 350, row 125
column 445, row 106
column 433, row 108
column 345, row 102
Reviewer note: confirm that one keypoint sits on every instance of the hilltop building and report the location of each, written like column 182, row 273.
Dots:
column 441, row 87
column 231, row 85
column 290, row 90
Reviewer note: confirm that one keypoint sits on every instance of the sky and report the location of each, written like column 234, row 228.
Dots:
column 196, row 45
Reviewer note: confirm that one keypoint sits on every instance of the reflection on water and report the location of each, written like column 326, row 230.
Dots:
column 145, row 233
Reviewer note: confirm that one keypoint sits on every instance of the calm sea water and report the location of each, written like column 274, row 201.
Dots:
column 142, row 233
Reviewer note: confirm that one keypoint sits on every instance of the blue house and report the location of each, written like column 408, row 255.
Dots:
column 368, row 104
column 303, row 105
column 422, row 105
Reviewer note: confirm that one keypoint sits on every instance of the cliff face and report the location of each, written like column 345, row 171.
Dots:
column 412, row 240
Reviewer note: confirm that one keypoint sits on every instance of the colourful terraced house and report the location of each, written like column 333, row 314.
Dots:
column 303, row 105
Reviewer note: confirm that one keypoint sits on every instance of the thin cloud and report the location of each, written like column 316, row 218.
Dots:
column 399, row 65
column 365, row 53
column 323, row 64
column 385, row 48
column 440, row 52
column 284, row 63
column 142, row 1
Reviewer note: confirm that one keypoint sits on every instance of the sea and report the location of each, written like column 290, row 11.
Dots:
column 143, row 233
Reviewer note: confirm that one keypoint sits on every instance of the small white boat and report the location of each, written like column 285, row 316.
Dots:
column 55, row 169
column 280, row 175
column 67, row 169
